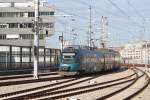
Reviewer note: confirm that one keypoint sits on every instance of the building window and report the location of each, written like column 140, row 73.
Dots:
column 30, row 14
column 51, row 13
column 13, row 25
column 48, row 25
column 41, row 36
column 26, row 36
column 46, row 13
column 11, row 14
column 2, row 36
column 0, row 14
column 25, row 25
column 30, row 25
column 30, row 36
column 3, row 25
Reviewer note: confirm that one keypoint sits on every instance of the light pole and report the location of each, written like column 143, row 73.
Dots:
column 36, row 39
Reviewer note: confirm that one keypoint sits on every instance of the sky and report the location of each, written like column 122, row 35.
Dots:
column 128, row 20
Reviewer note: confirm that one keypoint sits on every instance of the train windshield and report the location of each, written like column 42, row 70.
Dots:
column 68, row 58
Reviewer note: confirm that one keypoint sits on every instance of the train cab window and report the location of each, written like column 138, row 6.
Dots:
column 68, row 58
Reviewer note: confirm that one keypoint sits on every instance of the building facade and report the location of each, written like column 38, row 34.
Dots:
column 136, row 53
column 17, row 22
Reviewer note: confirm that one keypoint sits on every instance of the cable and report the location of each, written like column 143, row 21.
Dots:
column 118, row 8
column 140, row 15
column 97, row 10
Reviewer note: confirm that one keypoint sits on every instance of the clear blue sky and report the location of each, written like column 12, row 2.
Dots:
column 127, row 19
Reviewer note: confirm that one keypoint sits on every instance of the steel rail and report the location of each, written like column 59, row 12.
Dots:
column 141, row 89
column 61, row 91
column 24, row 76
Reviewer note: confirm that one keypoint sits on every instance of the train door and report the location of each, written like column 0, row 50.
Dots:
column 104, row 65
column 114, row 60
column 111, row 61
column 106, row 62
column 101, row 62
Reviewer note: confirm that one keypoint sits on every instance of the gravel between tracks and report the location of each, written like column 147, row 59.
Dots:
column 46, row 88
column 21, row 79
column 104, row 78
column 8, row 89
column 94, row 94
column 139, row 83
column 144, row 95
column 112, row 76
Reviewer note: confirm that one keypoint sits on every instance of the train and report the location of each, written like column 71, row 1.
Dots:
column 76, row 60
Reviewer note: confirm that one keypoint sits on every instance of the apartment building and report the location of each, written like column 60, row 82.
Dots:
column 136, row 53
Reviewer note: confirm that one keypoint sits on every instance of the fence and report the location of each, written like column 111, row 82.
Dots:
column 20, row 58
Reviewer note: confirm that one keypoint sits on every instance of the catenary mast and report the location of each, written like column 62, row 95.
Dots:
column 36, row 38
column 104, row 32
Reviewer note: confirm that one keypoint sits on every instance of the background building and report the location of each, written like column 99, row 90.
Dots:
column 136, row 53
column 17, row 22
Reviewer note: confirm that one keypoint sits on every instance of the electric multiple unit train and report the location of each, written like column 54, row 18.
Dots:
column 77, row 60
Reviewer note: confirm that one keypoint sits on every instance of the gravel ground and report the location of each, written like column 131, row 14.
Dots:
column 130, row 90
column 7, row 89
column 45, row 88
column 101, row 79
column 144, row 95
column 21, row 79
column 23, row 75
column 13, row 88
column 95, row 94
column 104, row 78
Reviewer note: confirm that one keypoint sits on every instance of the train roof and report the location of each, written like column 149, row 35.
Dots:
column 83, row 49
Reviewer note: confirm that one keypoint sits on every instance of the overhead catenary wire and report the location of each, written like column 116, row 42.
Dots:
column 126, row 16
column 141, row 16
column 124, row 13
column 135, row 10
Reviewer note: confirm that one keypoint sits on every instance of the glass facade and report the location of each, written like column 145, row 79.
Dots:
column 20, row 58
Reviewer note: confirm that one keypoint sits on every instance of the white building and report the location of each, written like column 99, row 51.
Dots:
column 136, row 53
column 17, row 21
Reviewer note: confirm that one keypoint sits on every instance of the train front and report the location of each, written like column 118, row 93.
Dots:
column 68, row 63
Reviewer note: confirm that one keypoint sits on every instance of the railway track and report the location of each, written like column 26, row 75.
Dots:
column 33, row 89
column 17, row 82
column 142, row 88
column 32, row 94
column 31, row 80
column 132, row 95
column 24, row 95
column 59, row 94
column 25, row 76
column 53, row 90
